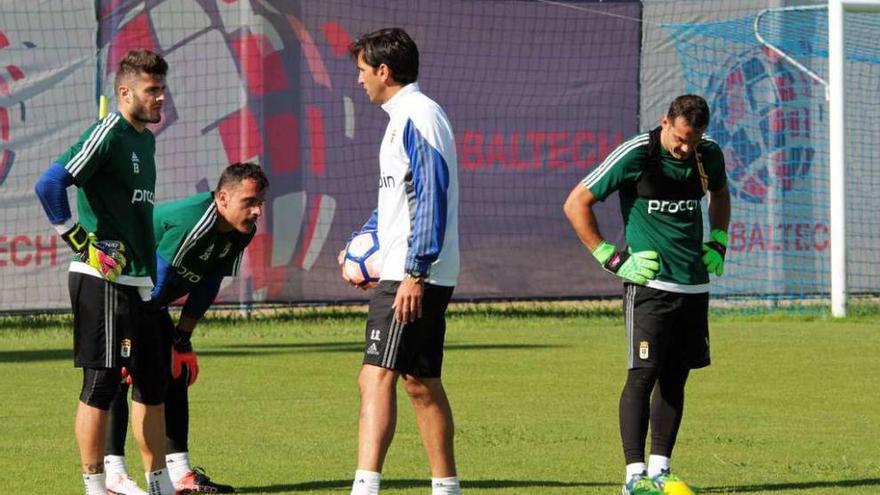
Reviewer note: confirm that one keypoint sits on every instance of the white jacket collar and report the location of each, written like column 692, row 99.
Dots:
column 390, row 105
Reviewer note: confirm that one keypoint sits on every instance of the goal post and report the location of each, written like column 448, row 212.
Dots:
column 837, row 143
column 799, row 156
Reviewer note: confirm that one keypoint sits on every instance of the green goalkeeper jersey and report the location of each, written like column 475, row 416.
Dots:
column 660, row 200
column 191, row 247
column 114, row 169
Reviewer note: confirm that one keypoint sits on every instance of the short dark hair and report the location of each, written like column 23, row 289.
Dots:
column 392, row 47
column 692, row 108
column 238, row 172
column 136, row 61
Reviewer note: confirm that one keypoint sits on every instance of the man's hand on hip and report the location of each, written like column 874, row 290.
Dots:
column 638, row 267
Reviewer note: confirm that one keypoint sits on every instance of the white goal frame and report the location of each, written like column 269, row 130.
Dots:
column 837, row 143
column 835, row 94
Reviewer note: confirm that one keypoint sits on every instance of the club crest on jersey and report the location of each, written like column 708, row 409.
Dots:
column 206, row 255
column 125, row 348
column 135, row 163
column 226, row 249
column 644, row 350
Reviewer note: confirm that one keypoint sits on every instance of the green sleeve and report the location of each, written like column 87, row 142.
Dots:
column 622, row 165
column 89, row 153
column 169, row 237
column 713, row 162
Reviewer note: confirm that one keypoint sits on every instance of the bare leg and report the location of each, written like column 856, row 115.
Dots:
column 378, row 416
column 148, row 424
column 90, row 428
column 434, row 417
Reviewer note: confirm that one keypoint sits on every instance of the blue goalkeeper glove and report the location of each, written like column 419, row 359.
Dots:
column 108, row 257
column 637, row 268
column 714, row 251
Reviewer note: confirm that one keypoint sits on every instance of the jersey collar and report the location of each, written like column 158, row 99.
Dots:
column 126, row 124
column 392, row 104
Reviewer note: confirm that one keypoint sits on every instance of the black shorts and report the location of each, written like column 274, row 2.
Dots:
column 665, row 328
column 413, row 348
column 113, row 327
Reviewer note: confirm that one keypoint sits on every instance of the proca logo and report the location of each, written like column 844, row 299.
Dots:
column 673, row 207
column 761, row 117
column 142, row 196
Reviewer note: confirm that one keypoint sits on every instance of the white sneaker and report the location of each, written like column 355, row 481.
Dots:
column 122, row 484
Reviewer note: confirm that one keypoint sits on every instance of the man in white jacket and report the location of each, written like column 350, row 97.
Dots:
column 417, row 225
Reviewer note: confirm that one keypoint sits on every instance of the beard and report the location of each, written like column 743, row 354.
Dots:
column 142, row 113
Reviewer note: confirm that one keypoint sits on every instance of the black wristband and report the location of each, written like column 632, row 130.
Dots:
column 718, row 247
column 182, row 340
column 77, row 238
column 616, row 261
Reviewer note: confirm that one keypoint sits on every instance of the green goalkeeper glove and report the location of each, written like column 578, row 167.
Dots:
column 635, row 267
column 108, row 257
column 714, row 251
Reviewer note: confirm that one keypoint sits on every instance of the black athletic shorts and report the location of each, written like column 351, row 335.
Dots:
column 666, row 328
column 113, row 327
column 413, row 348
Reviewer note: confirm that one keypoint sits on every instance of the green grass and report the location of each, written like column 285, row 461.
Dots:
column 790, row 405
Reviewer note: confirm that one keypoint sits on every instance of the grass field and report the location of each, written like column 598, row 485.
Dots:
column 790, row 406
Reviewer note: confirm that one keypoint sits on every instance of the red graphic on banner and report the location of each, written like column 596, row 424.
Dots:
column 318, row 164
column 282, row 132
column 4, row 124
column 337, row 37
column 260, row 64
column 313, row 56
column 7, row 156
column 134, row 35
column 230, row 130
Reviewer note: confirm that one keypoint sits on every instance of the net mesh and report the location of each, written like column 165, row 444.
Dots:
column 764, row 75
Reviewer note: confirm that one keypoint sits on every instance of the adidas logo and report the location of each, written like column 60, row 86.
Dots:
column 373, row 350
column 207, row 254
column 135, row 163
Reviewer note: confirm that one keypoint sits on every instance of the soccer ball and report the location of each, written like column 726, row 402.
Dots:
column 362, row 262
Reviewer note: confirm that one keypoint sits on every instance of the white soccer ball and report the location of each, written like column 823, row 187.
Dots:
column 362, row 263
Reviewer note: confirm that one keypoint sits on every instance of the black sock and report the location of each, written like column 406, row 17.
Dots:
column 667, row 409
column 635, row 403
column 117, row 423
column 177, row 416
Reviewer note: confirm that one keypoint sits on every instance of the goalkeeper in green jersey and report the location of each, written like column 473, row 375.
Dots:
column 113, row 167
column 199, row 240
column 660, row 177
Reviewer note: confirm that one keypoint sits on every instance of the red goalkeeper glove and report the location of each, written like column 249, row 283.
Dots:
column 183, row 355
